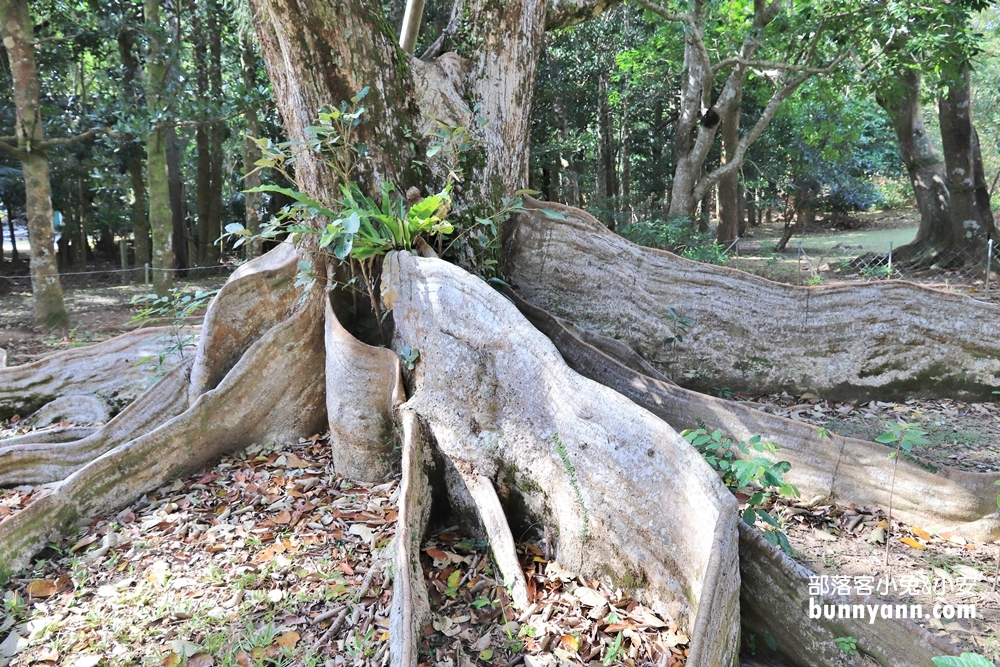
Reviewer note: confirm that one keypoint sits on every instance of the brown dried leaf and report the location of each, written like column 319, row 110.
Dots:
column 288, row 640
column 41, row 588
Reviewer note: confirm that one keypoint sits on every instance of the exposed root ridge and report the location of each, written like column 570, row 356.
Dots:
column 501, row 404
column 494, row 522
column 39, row 461
column 965, row 502
column 775, row 596
column 51, row 435
column 748, row 333
column 111, row 369
column 411, row 609
column 273, row 392
column 257, row 296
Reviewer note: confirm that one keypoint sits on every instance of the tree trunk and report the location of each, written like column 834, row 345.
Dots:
column 925, row 168
column 971, row 218
column 17, row 30
column 251, row 153
column 175, row 180
column 133, row 156
column 729, row 185
column 203, row 162
column 140, row 223
column 215, row 135
column 160, row 216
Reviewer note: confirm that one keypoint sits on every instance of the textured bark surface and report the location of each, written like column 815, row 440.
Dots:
column 75, row 408
column 751, row 334
column 971, row 217
column 111, row 369
column 363, row 386
column 410, row 610
column 161, row 222
column 257, row 296
column 775, row 604
column 38, row 461
column 586, row 462
column 844, row 470
column 924, row 166
column 273, row 392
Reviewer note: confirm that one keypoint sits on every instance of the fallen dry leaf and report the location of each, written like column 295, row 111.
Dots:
column 910, row 542
column 41, row 588
column 921, row 533
column 288, row 640
column 200, row 660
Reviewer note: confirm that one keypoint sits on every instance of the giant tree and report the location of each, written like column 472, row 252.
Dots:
column 498, row 410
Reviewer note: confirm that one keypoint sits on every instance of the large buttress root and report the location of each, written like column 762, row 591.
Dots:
column 111, row 369
column 843, row 469
column 256, row 297
column 411, row 609
column 275, row 391
column 593, row 467
column 886, row 338
column 27, row 461
column 363, row 386
column 775, row 605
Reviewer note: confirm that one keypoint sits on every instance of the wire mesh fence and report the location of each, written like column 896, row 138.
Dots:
column 808, row 263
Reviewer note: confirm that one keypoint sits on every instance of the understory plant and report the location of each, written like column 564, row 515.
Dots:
column 175, row 307
column 678, row 235
column 749, row 475
column 906, row 437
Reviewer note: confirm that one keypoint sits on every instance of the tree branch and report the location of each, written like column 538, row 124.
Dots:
column 662, row 12
column 69, row 141
column 780, row 95
column 565, row 13
column 11, row 150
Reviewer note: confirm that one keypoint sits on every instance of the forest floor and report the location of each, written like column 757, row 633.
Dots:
column 98, row 311
column 269, row 558
column 847, row 544
column 849, row 249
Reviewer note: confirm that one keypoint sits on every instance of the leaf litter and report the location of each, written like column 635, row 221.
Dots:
column 269, row 558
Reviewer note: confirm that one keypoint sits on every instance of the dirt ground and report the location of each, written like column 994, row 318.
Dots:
column 97, row 312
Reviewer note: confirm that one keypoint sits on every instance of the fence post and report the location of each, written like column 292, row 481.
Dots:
column 989, row 265
column 890, row 259
column 123, row 251
column 798, row 270
column 147, row 273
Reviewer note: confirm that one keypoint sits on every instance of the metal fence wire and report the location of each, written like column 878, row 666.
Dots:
column 972, row 274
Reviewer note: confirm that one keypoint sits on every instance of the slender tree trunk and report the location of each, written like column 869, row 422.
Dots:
column 15, row 256
column 924, row 166
column 176, row 186
column 216, row 130
column 728, row 190
column 203, row 164
column 251, row 153
column 160, row 216
column 140, row 223
column 133, row 156
column 568, row 183
column 17, row 31
column 971, row 218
